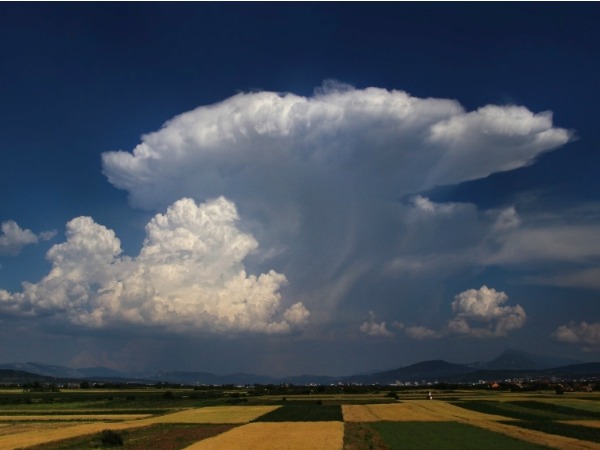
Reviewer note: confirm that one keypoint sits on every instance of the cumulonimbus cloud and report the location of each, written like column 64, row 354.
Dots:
column 317, row 179
column 189, row 276
column 13, row 238
column 397, row 142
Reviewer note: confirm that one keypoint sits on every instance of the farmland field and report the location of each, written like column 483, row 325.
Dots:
column 303, row 413
column 152, row 419
column 446, row 435
column 217, row 414
column 278, row 435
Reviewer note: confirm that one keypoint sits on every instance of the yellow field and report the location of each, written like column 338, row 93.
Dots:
column 585, row 423
column 34, row 435
column 22, row 430
column 278, row 436
column 217, row 414
column 77, row 417
column 51, row 433
column 14, row 428
column 413, row 411
column 432, row 410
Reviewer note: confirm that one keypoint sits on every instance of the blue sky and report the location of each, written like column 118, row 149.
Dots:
column 292, row 188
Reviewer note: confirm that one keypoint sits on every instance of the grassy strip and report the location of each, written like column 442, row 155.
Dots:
column 155, row 437
column 574, row 413
column 446, row 435
column 302, row 412
column 561, row 429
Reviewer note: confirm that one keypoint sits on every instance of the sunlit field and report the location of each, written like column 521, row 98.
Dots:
column 278, row 435
column 184, row 418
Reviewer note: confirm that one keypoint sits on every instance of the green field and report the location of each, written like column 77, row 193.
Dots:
column 546, row 416
column 303, row 412
column 445, row 435
column 526, row 410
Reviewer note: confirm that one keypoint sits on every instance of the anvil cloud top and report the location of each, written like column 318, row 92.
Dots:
column 274, row 188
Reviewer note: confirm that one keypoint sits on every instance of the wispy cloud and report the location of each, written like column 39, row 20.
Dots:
column 14, row 238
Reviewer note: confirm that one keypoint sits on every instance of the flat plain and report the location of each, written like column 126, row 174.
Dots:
column 239, row 419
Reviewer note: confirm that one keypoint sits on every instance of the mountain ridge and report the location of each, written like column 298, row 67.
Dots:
column 515, row 362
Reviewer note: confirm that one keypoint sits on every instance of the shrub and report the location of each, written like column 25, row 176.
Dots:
column 110, row 438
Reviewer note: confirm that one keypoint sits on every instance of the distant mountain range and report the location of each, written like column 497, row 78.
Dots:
column 516, row 359
column 509, row 364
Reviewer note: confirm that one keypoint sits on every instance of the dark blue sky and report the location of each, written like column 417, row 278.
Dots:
column 80, row 80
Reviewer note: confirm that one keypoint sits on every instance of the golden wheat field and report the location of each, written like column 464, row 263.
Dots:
column 217, row 414
column 72, row 417
column 431, row 410
column 586, row 423
column 35, row 434
column 278, row 436
column 412, row 410
column 21, row 430
column 39, row 433
column 28, row 427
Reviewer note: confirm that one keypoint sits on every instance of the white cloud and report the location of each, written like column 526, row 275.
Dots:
column 480, row 313
column 189, row 276
column 388, row 137
column 510, row 135
column 14, row 238
column 586, row 334
column 419, row 332
column 317, row 179
column 373, row 328
column 425, row 205
column 477, row 313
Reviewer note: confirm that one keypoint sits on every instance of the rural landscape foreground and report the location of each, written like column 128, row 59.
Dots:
column 169, row 417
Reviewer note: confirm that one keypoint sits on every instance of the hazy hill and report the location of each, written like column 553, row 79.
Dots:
column 95, row 372
column 424, row 371
column 211, row 378
column 44, row 369
column 8, row 376
column 521, row 360
column 509, row 364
